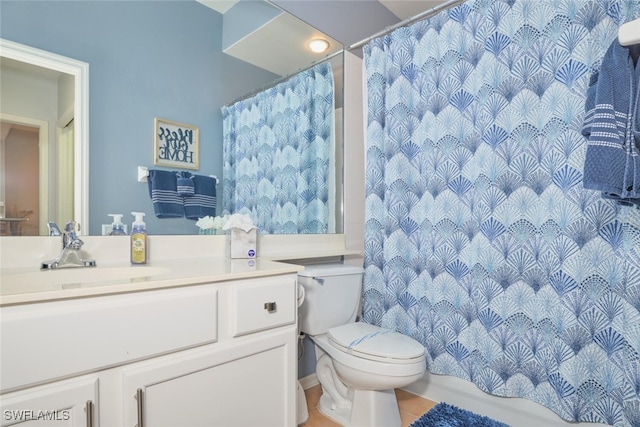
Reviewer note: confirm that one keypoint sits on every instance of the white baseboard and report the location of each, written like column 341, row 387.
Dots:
column 309, row 381
column 514, row 411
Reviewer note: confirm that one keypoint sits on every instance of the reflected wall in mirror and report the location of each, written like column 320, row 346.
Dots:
column 44, row 140
column 146, row 67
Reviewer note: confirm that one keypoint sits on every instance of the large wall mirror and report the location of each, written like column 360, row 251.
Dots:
column 44, row 139
column 148, row 68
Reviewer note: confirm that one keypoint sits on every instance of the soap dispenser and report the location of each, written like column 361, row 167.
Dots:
column 138, row 239
column 117, row 227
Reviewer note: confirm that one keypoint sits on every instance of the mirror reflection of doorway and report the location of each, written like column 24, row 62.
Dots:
column 20, row 179
column 40, row 97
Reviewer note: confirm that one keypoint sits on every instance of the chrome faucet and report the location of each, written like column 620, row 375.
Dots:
column 71, row 245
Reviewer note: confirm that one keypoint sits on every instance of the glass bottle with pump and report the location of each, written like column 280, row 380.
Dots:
column 117, row 227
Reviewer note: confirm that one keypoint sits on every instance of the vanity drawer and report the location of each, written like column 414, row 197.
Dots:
column 47, row 341
column 263, row 305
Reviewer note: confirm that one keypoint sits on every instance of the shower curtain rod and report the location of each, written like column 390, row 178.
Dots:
column 282, row 79
column 423, row 15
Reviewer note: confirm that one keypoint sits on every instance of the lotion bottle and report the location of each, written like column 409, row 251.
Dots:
column 138, row 239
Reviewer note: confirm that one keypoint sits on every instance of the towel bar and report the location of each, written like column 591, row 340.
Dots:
column 143, row 173
column 629, row 33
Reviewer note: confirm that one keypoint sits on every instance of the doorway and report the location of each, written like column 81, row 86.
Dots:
column 24, row 176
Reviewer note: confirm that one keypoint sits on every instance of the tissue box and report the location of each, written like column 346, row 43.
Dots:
column 242, row 244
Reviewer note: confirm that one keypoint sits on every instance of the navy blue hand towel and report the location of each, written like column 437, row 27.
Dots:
column 164, row 195
column 203, row 201
column 612, row 128
column 185, row 184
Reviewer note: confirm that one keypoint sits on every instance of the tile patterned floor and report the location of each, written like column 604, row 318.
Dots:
column 411, row 408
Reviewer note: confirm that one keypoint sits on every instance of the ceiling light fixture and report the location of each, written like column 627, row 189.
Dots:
column 318, row 45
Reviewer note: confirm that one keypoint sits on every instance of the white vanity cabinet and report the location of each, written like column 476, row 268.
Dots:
column 215, row 354
column 248, row 378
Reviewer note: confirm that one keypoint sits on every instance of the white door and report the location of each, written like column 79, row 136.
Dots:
column 250, row 383
column 245, row 392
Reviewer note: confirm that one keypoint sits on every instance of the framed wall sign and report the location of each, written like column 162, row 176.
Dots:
column 176, row 145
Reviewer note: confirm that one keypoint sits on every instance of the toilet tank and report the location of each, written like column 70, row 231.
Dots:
column 332, row 296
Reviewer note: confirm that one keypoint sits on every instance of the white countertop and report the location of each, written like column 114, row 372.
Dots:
column 31, row 285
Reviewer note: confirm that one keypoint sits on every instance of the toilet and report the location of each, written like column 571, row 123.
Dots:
column 358, row 364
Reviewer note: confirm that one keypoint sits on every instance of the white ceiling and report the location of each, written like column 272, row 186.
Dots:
column 405, row 9
column 279, row 45
column 219, row 5
column 29, row 69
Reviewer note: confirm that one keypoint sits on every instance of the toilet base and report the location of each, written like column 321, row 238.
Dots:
column 370, row 408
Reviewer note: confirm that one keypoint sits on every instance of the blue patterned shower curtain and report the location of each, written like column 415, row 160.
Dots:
column 480, row 241
column 277, row 147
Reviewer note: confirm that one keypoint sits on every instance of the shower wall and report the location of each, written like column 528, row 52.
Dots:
column 480, row 240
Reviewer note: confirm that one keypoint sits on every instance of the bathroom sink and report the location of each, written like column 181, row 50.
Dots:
column 48, row 280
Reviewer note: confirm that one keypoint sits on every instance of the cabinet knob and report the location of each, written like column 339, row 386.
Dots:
column 271, row 307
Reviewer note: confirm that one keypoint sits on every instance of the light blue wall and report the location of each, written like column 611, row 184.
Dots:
column 146, row 59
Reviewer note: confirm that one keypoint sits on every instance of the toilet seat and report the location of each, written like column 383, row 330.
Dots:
column 375, row 343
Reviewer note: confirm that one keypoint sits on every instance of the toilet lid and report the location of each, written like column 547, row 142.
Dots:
column 373, row 342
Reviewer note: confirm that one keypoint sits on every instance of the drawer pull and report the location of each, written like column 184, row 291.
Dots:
column 271, row 307
column 140, row 406
column 88, row 407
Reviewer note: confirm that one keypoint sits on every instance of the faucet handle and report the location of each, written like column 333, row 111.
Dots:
column 72, row 227
column 53, row 229
column 70, row 238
